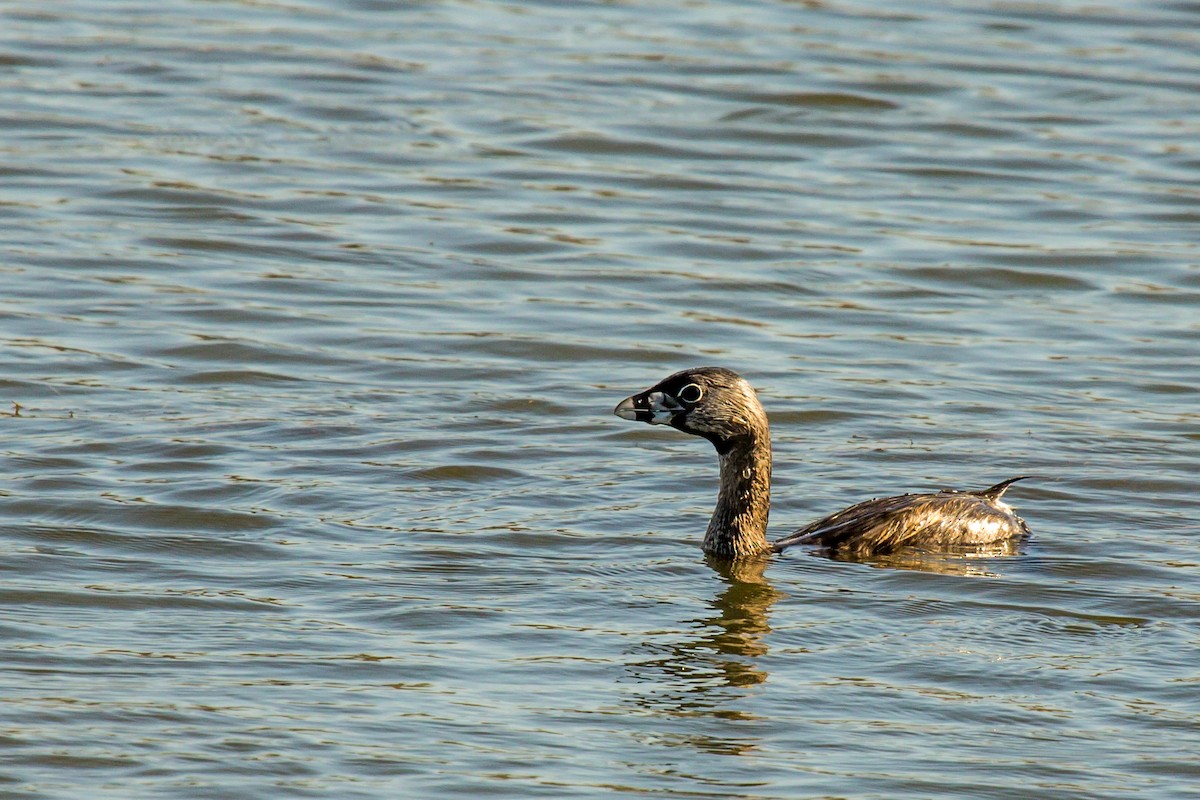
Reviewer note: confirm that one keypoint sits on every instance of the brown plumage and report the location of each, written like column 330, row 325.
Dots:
column 719, row 405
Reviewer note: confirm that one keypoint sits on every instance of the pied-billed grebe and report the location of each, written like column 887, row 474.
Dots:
column 721, row 406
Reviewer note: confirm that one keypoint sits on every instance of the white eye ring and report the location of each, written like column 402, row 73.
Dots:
column 690, row 393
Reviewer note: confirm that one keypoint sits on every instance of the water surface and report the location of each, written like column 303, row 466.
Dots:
column 314, row 314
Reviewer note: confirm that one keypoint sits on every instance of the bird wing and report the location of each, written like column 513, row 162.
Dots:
column 885, row 524
column 867, row 523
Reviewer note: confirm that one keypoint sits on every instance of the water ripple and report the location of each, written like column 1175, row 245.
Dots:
column 314, row 315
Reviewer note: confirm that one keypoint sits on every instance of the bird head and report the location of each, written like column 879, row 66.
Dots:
column 712, row 402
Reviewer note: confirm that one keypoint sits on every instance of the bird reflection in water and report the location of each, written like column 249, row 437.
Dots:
column 739, row 627
column 702, row 674
column 697, row 678
column 973, row 560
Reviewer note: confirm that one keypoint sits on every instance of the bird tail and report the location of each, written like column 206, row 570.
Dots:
column 997, row 491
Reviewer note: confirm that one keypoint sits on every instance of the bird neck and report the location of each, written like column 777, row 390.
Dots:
column 739, row 522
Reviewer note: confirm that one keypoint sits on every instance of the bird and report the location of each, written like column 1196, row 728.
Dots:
column 719, row 405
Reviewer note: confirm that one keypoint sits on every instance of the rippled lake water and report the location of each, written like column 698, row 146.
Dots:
column 314, row 313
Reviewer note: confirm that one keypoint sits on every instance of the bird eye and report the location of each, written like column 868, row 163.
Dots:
column 690, row 393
